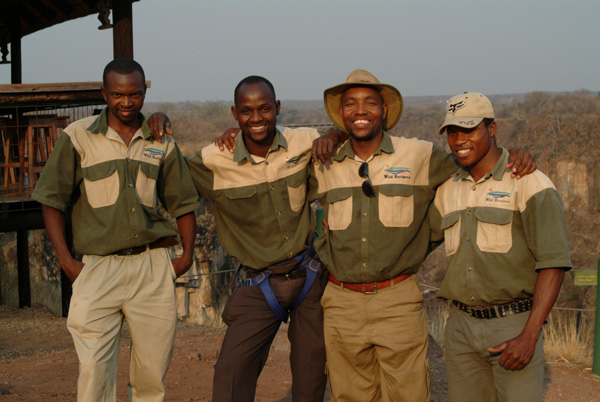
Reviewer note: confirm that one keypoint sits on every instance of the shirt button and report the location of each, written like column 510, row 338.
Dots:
column 473, row 188
column 290, row 255
column 469, row 269
column 128, row 160
column 279, row 213
column 135, row 236
column 364, row 214
column 285, row 237
column 472, row 298
column 364, row 264
column 130, row 185
column 266, row 162
column 132, row 210
column 272, row 187
column 468, row 238
column 364, row 239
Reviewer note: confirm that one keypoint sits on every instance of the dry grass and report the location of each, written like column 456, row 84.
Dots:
column 568, row 339
column 437, row 313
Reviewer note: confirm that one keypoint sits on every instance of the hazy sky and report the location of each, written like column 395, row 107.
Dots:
column 199, row 50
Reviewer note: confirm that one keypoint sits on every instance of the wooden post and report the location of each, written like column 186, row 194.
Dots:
column 23, row 269
column 122, row 29
column 16, row 76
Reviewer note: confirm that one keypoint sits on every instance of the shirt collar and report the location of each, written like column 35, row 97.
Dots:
column 100, row 125
column 497, row 172
column 347, row 151
column 241, row 152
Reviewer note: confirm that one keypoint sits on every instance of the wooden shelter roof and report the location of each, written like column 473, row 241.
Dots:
column 35, row 15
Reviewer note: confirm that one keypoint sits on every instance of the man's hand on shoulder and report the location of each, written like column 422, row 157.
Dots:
column 159, row 124
column 323, row 147
column 520, row 162
column 227, row 140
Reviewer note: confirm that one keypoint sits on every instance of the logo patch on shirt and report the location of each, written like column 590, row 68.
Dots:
column 153, row 153
column 292, row 161
column 392, row 172
column 498, row 196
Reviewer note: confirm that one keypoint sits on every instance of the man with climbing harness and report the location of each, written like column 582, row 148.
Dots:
column 263, row 220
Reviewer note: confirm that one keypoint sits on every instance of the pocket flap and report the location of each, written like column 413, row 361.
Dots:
column 296, row 180
column 150, row 170
column 240, row 193
column 494, row 215
column 100, row 171
column 338, row 194
column 450, row 219
column 396, row 190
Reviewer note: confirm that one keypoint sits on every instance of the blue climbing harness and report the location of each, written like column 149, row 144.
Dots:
column 307, row 261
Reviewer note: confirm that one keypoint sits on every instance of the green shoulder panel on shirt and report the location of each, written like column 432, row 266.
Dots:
column 261, row 208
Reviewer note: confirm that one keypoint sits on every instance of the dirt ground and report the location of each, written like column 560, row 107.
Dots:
column 38, row 363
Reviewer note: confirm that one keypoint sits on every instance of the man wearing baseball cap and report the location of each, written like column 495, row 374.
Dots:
column 507, row 253
column 375, row 195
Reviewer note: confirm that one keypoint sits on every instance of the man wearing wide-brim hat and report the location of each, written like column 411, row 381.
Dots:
column 375, row 196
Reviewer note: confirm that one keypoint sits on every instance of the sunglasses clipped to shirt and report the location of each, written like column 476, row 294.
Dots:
column 367, row 187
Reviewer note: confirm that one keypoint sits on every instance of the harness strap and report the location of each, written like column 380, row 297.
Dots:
column 262, row 281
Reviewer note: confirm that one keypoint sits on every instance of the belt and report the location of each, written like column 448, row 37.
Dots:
column 294, row 273
column 496, row 311
column 369, row 288
column 162, row 242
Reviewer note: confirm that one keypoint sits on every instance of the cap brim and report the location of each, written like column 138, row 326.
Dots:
column 464, row 122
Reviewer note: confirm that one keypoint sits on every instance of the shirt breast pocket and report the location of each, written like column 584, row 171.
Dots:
column 145, row 184
column 339, row 215
column 296, row 185
column 396, row 205
column 451, row 227
column 242, row 199
column 494, row 229
column 101, row 184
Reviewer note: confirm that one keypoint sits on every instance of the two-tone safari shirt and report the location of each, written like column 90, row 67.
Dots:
column 260, row 204
column 498, row 232
column 378, row 238
column 118, row 193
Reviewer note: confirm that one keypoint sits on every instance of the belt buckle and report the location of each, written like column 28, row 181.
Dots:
column 127, row 251
column 374, row 291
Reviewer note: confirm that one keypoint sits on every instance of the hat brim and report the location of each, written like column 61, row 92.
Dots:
column 391, row 97
column 464, row 122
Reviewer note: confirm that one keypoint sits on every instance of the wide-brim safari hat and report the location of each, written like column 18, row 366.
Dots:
column 391, row 96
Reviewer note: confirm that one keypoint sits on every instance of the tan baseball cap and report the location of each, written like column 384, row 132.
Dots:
column 391, row 96
column 467, row 110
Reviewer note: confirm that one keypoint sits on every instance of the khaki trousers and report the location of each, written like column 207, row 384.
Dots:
column 474, row 375
column 140, row 289
column 376, row 344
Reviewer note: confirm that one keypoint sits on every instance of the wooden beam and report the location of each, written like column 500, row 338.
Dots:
column 40, row 10
column 122, row 29
column 16, row 76
column 64, row 7
column 23, row 269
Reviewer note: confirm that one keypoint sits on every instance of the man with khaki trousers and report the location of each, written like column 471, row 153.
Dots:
column 375, row 196
column 117, row 180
